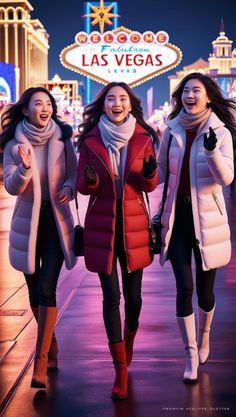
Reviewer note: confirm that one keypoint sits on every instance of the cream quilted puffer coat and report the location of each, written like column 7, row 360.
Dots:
column 25, row 219
column 209, row 172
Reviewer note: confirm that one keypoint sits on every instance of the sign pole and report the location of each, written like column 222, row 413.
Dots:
column 87, row 29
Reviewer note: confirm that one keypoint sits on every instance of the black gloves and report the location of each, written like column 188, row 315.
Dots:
column 149, row 166
column 210, row 141
column 90, row 175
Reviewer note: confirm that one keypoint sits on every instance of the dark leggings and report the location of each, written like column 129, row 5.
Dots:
column 48, row 262
column 131, row 285
column 182, row 243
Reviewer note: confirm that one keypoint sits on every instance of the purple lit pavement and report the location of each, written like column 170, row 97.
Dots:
column 82, row 385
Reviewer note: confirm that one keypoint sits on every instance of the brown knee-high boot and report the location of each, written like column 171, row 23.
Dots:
column 119, row 390
column 52, row 355
column 53, row 350
column 46, row 322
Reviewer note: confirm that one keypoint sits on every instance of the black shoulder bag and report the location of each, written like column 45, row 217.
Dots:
column 78, row 234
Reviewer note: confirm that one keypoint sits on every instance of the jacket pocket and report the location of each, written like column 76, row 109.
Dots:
column 217, row 203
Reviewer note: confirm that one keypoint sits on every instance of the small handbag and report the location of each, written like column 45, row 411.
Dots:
column 153, row 243
column 78, row 234
column 156, row 225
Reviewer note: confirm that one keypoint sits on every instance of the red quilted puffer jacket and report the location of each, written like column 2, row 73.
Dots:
column 101, row 213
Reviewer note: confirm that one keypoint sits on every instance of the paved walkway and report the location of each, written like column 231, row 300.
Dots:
column 82, row 386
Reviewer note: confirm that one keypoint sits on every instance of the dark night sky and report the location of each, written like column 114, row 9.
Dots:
column 192, row 26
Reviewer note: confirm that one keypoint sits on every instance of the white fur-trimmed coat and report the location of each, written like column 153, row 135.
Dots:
column 61, row 171
column 209, row 171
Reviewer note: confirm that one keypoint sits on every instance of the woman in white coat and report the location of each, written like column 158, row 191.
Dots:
column 194, row 219
column 39, row 167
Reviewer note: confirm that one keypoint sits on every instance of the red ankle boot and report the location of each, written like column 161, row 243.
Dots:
column 129, row 343
column 119, row 390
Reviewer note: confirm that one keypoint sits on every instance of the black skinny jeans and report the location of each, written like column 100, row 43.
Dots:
column 48, row 261
column 131, row 285
column 183, row 241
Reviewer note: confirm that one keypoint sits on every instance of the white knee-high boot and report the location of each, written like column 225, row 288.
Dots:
column 188, row 333
column 203, row 340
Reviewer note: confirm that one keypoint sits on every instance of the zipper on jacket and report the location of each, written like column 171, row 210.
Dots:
column 141, row 202
column 128, row 268
column 101, row 161
column 92, row 204
column 217, row 203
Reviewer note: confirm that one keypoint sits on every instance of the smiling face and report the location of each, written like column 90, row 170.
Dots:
column 194, row 96
column 39, row 110
column 117, row 105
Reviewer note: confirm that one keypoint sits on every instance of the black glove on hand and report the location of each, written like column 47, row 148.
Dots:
column 90, row 175
column 210, row 141
column 149, row 166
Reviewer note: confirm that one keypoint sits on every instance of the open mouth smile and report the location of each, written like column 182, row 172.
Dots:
column 190, row 104
column 116, row 112
column 43, row 117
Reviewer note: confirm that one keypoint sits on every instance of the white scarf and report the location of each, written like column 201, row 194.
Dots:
column 38, row 135
column 115, row 138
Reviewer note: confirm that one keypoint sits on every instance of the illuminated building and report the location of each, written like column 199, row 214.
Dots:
column 69, row 103
column 222, row 63
column 66, row 88
column 23, row 42
column 24, row 59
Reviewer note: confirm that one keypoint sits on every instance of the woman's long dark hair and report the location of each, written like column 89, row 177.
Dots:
column 94, row 110
column 13, row 114
column 224, row 108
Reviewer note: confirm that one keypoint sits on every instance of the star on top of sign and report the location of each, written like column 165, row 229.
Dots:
column 101, row 15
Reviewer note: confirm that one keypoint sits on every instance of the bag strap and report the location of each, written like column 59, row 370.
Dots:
column 76, row 199
column 149, row 211
column 164, row 194
column 77, row 210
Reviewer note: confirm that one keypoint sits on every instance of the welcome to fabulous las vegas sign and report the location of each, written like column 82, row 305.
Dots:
column 121, row 55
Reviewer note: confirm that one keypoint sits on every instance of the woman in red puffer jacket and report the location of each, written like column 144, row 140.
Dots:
column 116, row 165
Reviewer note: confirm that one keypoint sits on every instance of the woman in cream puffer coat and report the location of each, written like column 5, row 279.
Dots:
column 39, row 167
column 209, row 172
column 25, row 219
column 200, row 163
